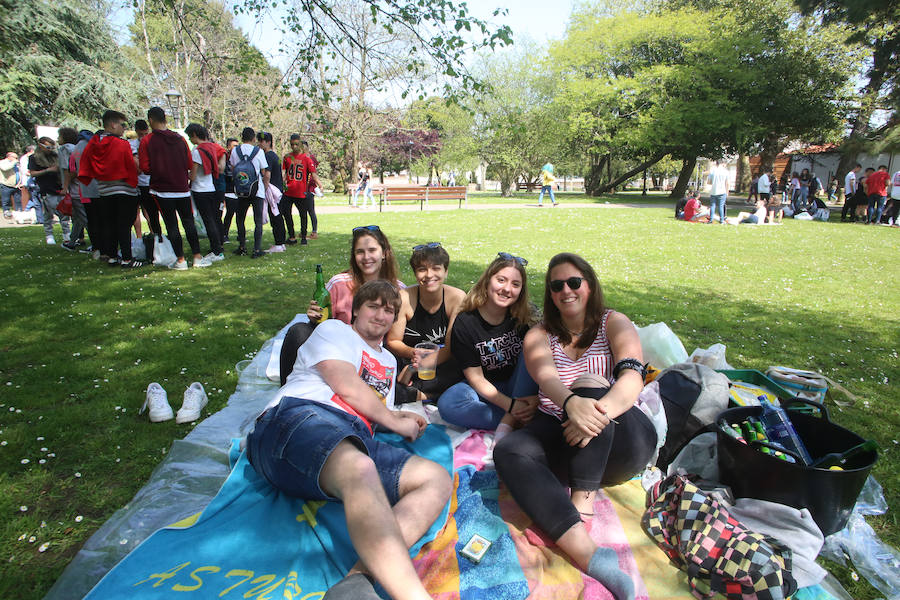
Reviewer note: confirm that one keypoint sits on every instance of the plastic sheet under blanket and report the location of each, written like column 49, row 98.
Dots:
column 182, row 485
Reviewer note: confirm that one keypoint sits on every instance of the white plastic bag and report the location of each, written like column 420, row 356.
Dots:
column 713, row 357
column 163, row 253
column 138, row 250
column 661, row 346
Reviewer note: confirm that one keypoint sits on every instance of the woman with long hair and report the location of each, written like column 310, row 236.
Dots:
column 371, row 258
column 486, row 340
column 589, row 430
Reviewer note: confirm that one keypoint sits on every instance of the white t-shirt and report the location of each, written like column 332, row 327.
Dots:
column 203, row 181
column 763, row 185
column 719, row 179
column 850, row 184
column 143, row 178
column 895, row 186
column 259, row 161
column 335, row 340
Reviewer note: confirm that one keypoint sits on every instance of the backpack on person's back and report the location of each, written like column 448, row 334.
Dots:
column 245, row 175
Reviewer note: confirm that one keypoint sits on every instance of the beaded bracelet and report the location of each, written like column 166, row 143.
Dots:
column 629, row 363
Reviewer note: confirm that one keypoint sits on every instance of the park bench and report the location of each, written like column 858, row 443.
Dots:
column 421, row 194
column 528, row 187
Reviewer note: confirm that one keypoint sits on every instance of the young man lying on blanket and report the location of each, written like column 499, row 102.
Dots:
column 314, row 441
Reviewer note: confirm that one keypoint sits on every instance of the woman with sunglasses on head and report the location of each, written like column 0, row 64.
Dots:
column 425, row 312
column 595, row 432
column 486, row 339
column 371, row 258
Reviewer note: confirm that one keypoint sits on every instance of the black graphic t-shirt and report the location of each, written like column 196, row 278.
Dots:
column 495, row 348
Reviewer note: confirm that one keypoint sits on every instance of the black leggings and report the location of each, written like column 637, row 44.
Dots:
column 277, row 224
column 243, row 205
column 93, row 223
column 536, row 463
column 151, row 209
column 231, row 206
column 293, row 339
column 117, row 214
column 309, row 207
column 172, row 209
column 208, row 207
column 286, row 206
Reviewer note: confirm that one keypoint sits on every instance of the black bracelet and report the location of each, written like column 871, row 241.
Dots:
column 629, row 363
column 566, row 401
column 512, row 402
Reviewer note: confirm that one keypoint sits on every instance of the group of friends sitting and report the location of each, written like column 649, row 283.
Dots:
column 560, row 393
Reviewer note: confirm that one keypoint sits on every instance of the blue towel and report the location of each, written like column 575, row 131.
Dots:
column 252, row 541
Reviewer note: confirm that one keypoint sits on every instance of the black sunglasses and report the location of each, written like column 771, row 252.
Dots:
column 556, row 285
column 508, row 256
column 366, row 228
column 428, row 245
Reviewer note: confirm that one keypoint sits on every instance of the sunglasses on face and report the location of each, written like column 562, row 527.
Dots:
column 428, row 245
column 508, row 256
column 366, row 228
column 556, row 285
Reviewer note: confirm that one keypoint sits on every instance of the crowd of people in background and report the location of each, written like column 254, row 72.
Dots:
column 97, row 185
column 802, row 196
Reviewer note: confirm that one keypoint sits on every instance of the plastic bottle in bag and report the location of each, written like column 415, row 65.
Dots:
column 780, row 430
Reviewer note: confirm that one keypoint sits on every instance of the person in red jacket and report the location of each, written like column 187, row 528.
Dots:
column 108, row 159
column 165, row 156
column 876, row 186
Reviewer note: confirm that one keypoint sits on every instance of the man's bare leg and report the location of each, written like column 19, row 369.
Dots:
column 376, row 533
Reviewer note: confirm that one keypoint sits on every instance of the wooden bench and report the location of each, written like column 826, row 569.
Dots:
column 528, row 187
column 422, row 194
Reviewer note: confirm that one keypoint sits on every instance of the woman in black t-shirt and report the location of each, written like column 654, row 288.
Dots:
column 486, row 341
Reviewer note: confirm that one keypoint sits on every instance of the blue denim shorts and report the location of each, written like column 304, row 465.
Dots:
column 292, row 441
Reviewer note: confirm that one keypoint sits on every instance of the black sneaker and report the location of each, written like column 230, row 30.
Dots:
column 257, row 254
column 68, row 246
column 303, row 242
column 240, row 251
column 290, row 241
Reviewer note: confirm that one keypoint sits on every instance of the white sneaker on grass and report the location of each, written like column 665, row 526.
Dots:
column 179, row 265
column 276, row 248
column 158, row 403
column 202, row 262
column 194, row 401
column 50, row 240
column 211, row 257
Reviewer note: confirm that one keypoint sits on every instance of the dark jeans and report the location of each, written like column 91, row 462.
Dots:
column 172, row 209
column 208, row 207
column 243, row 205
column 849, row 207
column 286, row 206
column 537, row 464
column 876, row 207
column 151, row 209
column 231, row 206
column 309, row 207
column 117, row 215
column 8, row 195
column 277, row 224
column 93, row 223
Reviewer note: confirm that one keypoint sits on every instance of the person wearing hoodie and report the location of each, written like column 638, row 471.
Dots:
column 68, row 137
column 87, row 195
column 44, row 167
column 165, row 155
column 208, row 160
column 108, row 159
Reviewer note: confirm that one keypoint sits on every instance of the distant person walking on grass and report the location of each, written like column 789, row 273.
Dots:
column 718, row 178
column 547, row 181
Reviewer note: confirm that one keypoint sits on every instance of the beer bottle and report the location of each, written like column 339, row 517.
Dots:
column 321, row 295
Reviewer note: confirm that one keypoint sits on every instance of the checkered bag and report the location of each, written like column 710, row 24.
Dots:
column 719, row 554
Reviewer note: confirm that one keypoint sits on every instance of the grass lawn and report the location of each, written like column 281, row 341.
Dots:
column 81, row 341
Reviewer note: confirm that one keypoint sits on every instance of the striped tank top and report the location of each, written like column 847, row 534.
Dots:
column 597, row 359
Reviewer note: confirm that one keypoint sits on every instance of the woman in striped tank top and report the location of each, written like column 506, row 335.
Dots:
column 587, row 433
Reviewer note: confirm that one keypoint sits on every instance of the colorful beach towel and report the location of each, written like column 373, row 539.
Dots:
column 253, row 542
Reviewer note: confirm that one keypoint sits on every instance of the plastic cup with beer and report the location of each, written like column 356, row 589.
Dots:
column 427, row 353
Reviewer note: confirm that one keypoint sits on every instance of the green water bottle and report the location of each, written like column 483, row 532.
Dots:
column 321, row 295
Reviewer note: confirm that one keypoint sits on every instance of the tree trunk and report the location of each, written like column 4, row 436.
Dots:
column 867, row 105
column 631, row 173
column 684, row 177
column 743, row 177
column 594, row 177
column 644, row 184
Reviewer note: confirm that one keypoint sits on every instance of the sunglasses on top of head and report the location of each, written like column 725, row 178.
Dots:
column 508, row 256
column 556, row 285
column 366, row 228
column 428, row 245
